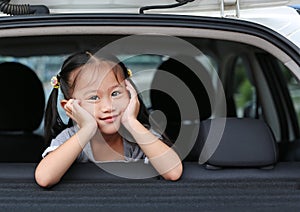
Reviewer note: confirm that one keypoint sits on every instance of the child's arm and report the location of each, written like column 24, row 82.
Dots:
column 163, row 158
column 51, row 168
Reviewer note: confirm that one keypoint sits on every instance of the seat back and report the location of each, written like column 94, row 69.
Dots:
column 245, row 142
column 21, row 113
column 175, row 83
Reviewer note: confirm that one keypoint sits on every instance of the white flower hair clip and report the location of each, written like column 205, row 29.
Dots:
column 54, row 82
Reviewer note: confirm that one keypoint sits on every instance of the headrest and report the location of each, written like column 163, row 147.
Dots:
column 22, row 98
column 245, row 142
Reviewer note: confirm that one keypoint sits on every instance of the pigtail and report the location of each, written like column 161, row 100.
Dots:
column 50, row 116
column 53, row 123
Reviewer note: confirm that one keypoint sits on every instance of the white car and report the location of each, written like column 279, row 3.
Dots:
column 220, row 78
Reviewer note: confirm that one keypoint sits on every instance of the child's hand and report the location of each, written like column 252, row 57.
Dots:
column 78, row 114
column 133, row 106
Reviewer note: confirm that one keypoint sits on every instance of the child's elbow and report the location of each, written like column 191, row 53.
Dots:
column 43, row 180
column 174, row 174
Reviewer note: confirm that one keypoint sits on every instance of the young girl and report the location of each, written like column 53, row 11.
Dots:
column 101, row 102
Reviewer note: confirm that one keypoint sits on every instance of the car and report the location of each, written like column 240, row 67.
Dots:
column 220, row 78
column 296, row 7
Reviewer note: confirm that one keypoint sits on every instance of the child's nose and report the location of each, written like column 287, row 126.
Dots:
column 106, row 105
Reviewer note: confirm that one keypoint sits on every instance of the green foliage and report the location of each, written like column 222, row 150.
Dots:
column 242, row 86
column 245, row 93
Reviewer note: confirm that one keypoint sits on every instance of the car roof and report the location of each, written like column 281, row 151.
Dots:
column 278, row 15
column 133, row 6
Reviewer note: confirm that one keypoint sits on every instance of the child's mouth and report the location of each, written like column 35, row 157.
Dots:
column 109, row 119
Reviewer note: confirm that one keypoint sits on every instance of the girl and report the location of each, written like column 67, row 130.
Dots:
column 105, row 107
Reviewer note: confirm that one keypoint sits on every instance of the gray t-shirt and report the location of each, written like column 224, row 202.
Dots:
column 132, row 151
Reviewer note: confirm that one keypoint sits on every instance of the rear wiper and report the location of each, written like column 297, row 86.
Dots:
column 180, row 3
column 22, row 9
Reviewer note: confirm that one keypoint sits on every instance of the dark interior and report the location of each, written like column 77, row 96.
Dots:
column 248, row 148
column 59, row 45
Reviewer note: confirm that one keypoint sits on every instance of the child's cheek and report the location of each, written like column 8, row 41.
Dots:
column 91, row 108
column 122, row 104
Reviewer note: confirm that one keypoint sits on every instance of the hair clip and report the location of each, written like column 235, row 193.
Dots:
column 54, row 82
column 129, row 72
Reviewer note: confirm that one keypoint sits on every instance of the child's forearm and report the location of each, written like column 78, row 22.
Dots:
column 55, row 164
column 163, row 158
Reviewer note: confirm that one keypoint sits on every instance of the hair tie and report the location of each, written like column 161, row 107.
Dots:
column 54, row 82
column 89, row 53
column 129, row 72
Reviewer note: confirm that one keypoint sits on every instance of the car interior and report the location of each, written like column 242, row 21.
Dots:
column 22, row 111
column 259, row 130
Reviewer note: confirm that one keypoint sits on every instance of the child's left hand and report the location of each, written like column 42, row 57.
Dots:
column 133, row 106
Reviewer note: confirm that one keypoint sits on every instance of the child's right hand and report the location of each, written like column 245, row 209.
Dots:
column 82, row 117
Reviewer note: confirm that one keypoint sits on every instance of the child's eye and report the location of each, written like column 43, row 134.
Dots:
column 115, row 93
column 94, row 98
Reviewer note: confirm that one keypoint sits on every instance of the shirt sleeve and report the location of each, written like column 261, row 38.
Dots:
column 59, row 140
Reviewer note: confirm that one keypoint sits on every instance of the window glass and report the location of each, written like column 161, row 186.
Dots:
column 244, row 94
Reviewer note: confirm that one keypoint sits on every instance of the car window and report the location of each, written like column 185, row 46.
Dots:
column 241, row 91
column 244, row 95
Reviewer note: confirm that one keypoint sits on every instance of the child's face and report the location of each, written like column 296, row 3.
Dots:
column 105, row 96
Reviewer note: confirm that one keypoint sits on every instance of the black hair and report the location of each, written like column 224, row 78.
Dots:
column 53, row 123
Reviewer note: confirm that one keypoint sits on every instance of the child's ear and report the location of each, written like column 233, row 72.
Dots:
column 63, row 103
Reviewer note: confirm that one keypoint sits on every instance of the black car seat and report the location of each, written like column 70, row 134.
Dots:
column 21, row 113
column 171, row 84
column 242, row 143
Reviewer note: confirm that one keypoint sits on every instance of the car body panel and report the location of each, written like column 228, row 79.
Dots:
column 265, row 58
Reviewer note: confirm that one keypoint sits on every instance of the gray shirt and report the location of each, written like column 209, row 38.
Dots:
column 132, row 151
